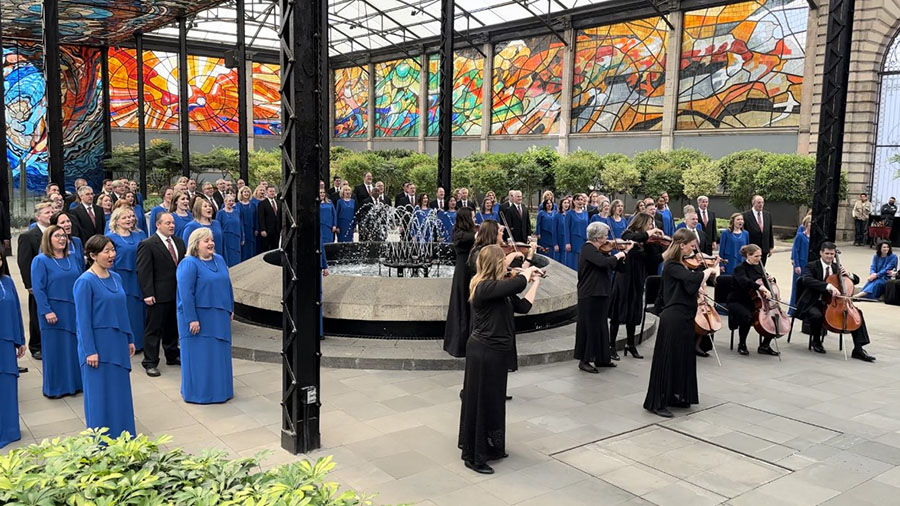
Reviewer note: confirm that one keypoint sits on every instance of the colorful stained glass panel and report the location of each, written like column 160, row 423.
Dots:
column 397, row 98
column 266, row 99
column 351, row 102
column 468, row 78
column 527, row 86
column 213, row 95
column 160, row 89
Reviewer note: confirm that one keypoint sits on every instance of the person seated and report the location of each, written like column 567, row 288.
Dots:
column 884, row 266
column 748, row 278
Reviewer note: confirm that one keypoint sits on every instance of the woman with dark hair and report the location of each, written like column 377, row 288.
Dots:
column 126, row 238
column 105, row 341
column 545, row 229
column 456, row 331
column 162, row 207
column 494, row 299
column 249, row 222
column 489, row 211
column 731, row 242
column 423, row 231
column 576, row 230
column 884, row 266
column 799, row 259
column 53, row 276
column 181, row 211
column 327, row 218
column 673, row 374
column 76, row 249
column 748, row 278
column 448, row 219
column 617, row 221
column 12, row 348
column 562, row 231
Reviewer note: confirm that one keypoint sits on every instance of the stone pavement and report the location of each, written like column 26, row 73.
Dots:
column 810, row 429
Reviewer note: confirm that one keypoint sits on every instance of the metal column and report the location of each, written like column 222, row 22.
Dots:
column 107, row 125
column 831, row 124
column 243, row 133
column 184, row 122
column 4, row 162
column 304, row 58
column 445, row 97
column 142, row 129
column 50, row 14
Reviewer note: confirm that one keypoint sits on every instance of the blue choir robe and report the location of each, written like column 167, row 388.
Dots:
column 327, row 221
column 424, row 230
column 799, row 257
column 346, row 219
column 600, row 219
column 545, row 228
column 205, row 295
column 249, row 226
column 233, row 233
column 730, row 245
column 880, row 267
column 617, row 228
column 215, row 226
column 52, row 282
column 577, row 224
column 668, row 221
column 181, row 222
column 105, row 330
column 125, row 265
column 12, row 335
column 153, row 214
column 447, row 222
column 141, row 218
column 562, row 238
column 139, row 198
column 76, row 251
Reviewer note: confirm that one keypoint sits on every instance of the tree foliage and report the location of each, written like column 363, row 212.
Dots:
column 619, row 175
column 578, row 172
column 701, row 178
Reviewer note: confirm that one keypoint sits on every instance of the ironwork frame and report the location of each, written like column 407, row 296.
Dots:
column 142, row 127
column 304, row 57
column 184, row 120
column 4, row 162
column 445, row 97
column 832, row 116
column 243, row 134
column 53, row 87
column 107, row 121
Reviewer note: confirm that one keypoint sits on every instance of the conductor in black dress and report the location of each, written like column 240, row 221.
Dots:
column 456, row 331
column 748, row 278
column 595, row 270
column 673, row 373
column 482, row 423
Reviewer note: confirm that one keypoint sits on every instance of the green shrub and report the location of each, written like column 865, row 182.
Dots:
column 578, row 171
column 423, row 173
column 546, row 158
column 619, row 174
column 218, row 159
column 462, row 174
column 355, row 165
column 739, row 175
column 701, row 178
column 491, row 178
column 263, row 165
column 94, row 469
column 791, row 178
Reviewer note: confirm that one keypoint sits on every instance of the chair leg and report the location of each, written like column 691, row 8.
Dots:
column 643, row 320
column 791, row 331
column 731, row 347
column 841, row 342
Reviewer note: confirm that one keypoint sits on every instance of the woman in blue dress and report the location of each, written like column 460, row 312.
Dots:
column 562, row 231
column 447, row 219
column 105, row 202
column 161, row 208
column 327, row 217
column 259, row 194
column 731, row 241
column 141, row 219
column 205, row 304
column 247, row 209
column 576, row 225
column 884, row 266
column 126, row 238
column 105, row 341
column 203, row 213
column 53, row 276
column 76, row 249
column 12, row 348
column 799, row 258
column 181, row 211
column 423, row 231
column 617, row 220
column 232, row 230
column 548, row 195
column 545, row 229
column 489, row 210
column 602, row 216
column 346, row 215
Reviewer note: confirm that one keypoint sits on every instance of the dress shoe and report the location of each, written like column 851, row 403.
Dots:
column 499, row 457
column 153, row 372
column 767, row 350
column 680, row 404
column 663, row 412
column 606, row 364
column 701, row 353
column 480, row 468
column 818, row 348
column 36, row 355
column 861, row 354
column 613, row 354
column 22, row 369
column 509, row 397
column 177, row 362
column 742, row 349
column 587, row 367
column 633, row 350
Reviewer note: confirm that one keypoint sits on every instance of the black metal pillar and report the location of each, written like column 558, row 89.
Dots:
column 4, row 163
column 445, row 96
column 830, row 144
column 304, row 55
column 142, row 129
column 50, row 15
column 184, row 121
column 243, row 149
column 107, row 125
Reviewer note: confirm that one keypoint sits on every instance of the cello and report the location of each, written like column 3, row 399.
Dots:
column 840, row 314
column 707, row 320
column 769, row 318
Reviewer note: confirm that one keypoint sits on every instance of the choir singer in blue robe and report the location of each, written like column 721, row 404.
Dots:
column 232, row 231
column 12, row 348
column 105, row 341
column 205, row 305
column 126, row 237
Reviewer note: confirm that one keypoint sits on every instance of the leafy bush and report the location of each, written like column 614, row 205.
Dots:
column 739, row 175
column 701, row 178
column 218, row 159
column 491, row 178
column 619, row 174
column 528, row 177
column 423, row 173
column 546, row 158
column 578, row 171
column 462, row 174
column 263, row 165
column 354, row 166
column 94, row 469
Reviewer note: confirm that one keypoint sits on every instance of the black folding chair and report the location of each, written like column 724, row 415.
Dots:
column 651, row 291
column 804, row 327
column 724, row 286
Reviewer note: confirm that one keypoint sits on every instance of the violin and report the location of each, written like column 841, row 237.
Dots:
column 769, row 318
column 528, row 251
column 840, row 313
column 697, row 260
column 707, row 320
column 615, row 244
column 660, row 240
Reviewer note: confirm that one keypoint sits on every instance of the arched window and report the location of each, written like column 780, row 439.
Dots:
column 887, row 141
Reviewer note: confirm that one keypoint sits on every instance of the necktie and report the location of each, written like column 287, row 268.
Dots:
column 90, row 210
column 172, row 250
column 441, row 203
column 759, row 220
column 704, row 218
column 274, row 207
column 827, row 271
column 369, row 189
column 464, row 203
column 519, row 208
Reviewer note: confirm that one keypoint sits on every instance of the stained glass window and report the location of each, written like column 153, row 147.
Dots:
column 527, row 86
column 468, row 79
column 742, row 65
column 160, row 89
column 397, row 98
column 619, row 77
column 266, row 99
column 887, row 141
column 213, row 95
column 351, row 106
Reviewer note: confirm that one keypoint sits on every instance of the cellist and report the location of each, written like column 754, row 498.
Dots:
column 740, row 304
column 811, row 306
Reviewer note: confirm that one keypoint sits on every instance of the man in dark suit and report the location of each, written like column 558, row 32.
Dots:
column 517, row 218
column 758, row 224
column 440, row 201
column 208, row 191
column 334, row 193
column 466, row 200
column 363, row 209
column 157, row 258
column 269, row 218
column 364, row 190
column 403, row 198
column 811, row 306
column 87, row 215
column 30, row 247
column 509, row 198
column 690, row 223
column 219, row 194
column 72, row 198
column 381, row 198
column 707, row 220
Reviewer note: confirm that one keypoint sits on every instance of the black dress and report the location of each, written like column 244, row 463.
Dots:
column 627, row 305
column 740, row 303
column 673, row 374
column 482, row 419
column 591, row 329
column 456, row 331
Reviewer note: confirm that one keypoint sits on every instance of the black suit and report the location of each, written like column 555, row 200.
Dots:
column 219, row 198
column 156, row 275
column 811, row 308
column 84, row 227
column 702, row 241
column 658, row 220
column 30, row 247
column 334, row 194
column 403, row 199
column 709, row 228
column 434, row 204
column 470, row 203
column 762, row 238
column 384, row 200
column 269, row 222
column 361, row 193
column 363, row 208
column 520, row 226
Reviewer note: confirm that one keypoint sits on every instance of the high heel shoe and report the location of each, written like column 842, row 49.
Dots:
column 633, row 350
column 613, row 354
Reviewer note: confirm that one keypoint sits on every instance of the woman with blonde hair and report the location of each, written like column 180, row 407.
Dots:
column 494, row 299
column 346, row 215
column 203, row 218
column 205, row 308
column 731, row 242
column 126, row 237
column 249, row 223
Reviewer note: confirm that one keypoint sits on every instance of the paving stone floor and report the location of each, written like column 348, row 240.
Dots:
column 810, row 429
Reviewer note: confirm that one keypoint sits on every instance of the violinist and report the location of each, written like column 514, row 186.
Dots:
column 811, row 306
column 748, row 276
column 673, row 373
